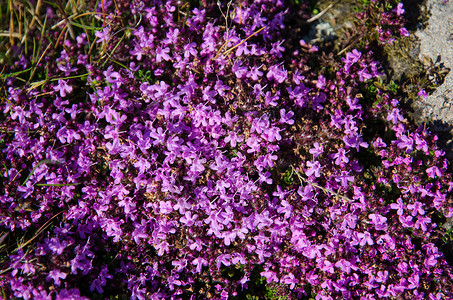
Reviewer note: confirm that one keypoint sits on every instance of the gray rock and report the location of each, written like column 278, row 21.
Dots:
column 436, row 43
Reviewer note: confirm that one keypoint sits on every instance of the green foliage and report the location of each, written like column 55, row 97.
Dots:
column 256, row 286
column 288, row 177
column 272, row 293
column 448, row 235
column 394, row 87
column 147, row 75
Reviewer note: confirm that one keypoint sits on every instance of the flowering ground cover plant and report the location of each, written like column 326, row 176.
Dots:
column 200, row 150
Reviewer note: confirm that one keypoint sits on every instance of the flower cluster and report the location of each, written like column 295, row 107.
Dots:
column 202, row 146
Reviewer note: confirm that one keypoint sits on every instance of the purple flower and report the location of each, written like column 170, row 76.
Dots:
column 354, row 141
column 128, row 204
column 402, row 267
column 404, row 32
column 270, row 276
column 242, row 49
column 179, row 264
column 196, row 245
column 340, row 157
column 387, row 240
column 395, row 116
column 56, row 275
column 327, row 266
column 350, row 221
column 406, row 142
column 422, row 93
column 345, row 266
column 399, row 206
column 197, row 164
column 41, row 295
column 63, row 87
column 353, row 103
column 199, row 262
column 399, row 9
column 297, row 77
column 406, row 221
column 172, row 281
column 318, row 100
column 139, row 232
column 233, row 138
column 378, row 221
column 277, row 49
column 351, row 58
column 277, row 73
column 56, row 246
column 437, row 296
column 113, row 147
column 414, row 281
column 312, row 278
column 254, row 144
column 188, row 219
column 239, row 70
column 306, row 193
column 321, row 82
column 272, row 134
column 104, row 35
column 364, row 75
column 190, row 50
column 285, row 209
column 19, row 112
column 434, row 171
column 223, row 259
column 254, row 73
column 421, row 144
column 263, row 220
column 27, row 189
column 270, row 100
column 317, row 150
column 100, row 281
column 365, row 238
column 67, row 135
column 162, row 248
column 286, row 117
column 228, row 120
column 313, row 168
column 266, row 177
column 439, row 199
column 268, row 160
column 224, row 295
column 343, row 178
column 422, row 223
column 290, row 280
column 416, row 208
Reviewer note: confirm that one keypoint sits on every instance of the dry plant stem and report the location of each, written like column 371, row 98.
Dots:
column 3, row 237
column 45, row 161
column 11, row 34
column 68, row 24
column 11, row 22
column 318, row 186
column 40, row 230
column 243, row 41
column 39, row 60
column 314, row 18
column 20, row 21
column 35, row 15
column 349, row 46
column 63, row 32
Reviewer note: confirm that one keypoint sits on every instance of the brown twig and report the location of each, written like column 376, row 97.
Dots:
column 68, row 24
column 322, row 13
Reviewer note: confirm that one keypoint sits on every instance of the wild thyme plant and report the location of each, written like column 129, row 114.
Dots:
column 174, row 148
